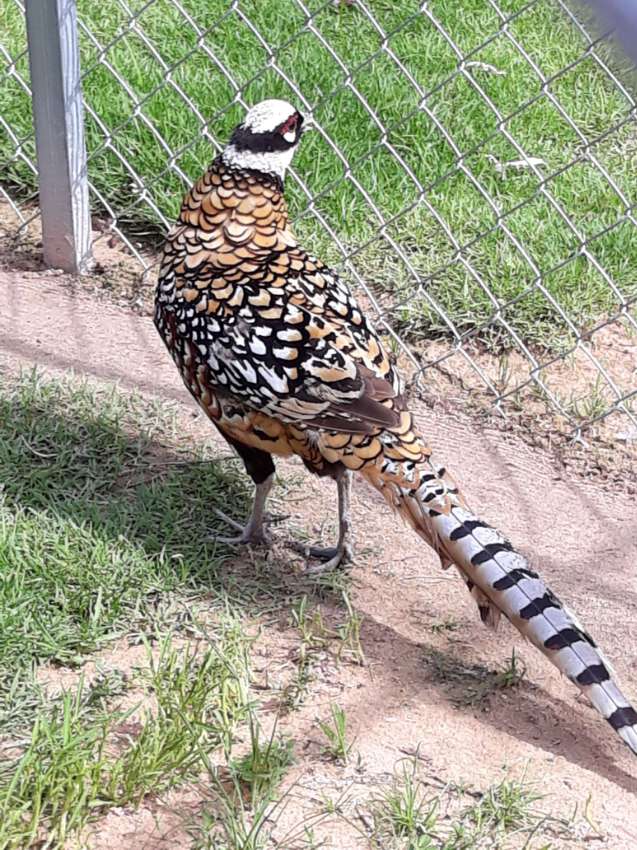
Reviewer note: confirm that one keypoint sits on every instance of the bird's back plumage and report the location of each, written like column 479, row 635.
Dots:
column 278, row 353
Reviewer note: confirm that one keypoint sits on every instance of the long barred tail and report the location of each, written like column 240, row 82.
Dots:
column 502, row 582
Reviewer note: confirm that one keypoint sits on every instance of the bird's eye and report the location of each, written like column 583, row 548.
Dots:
column 289, row 126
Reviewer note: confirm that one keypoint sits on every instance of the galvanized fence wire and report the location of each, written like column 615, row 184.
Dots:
column 22, row 147
column 618, row 398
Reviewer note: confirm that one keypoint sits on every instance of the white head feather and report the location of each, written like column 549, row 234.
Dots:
column 264, row 117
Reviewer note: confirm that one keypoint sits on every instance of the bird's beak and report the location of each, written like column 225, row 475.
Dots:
column 308, row 124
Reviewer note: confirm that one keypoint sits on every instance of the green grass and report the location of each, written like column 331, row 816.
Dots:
column 408, row 816
column 342, row 640
column 90, row 538
column 104, row 509
column 585, row 93
column 78, row 763
column 106, row 515
column 338, row 746
column 260, row 771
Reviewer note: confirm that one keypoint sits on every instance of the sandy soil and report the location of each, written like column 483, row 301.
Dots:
column 580, row 532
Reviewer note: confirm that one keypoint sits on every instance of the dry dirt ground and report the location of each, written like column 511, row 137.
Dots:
column 580, row 531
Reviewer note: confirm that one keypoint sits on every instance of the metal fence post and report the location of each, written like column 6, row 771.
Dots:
column 59, row 131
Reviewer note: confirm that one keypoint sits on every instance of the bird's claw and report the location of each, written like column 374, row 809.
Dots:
column 331, row 556
column 251, row 534
column 229, row 520
column 246, row 538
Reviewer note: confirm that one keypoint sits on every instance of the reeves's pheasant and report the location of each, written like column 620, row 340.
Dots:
column 279, row 355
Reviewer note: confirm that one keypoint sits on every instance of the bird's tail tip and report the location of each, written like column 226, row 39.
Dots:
column 624, row 722
column 629, row 735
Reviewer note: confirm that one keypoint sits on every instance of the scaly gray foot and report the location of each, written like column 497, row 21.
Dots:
column 250, row 534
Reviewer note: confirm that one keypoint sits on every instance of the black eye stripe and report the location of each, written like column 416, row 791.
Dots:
column 243, row 138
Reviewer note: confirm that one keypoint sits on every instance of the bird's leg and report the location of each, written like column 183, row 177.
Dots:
column 254, row 531
column 260, row 467
column 343, row 552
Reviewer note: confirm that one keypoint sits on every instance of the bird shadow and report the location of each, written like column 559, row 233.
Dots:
column 516, row 707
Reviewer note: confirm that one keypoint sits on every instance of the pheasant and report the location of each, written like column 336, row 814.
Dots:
column 281, row 358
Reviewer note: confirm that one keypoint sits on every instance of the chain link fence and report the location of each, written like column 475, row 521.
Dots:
column 473, row 171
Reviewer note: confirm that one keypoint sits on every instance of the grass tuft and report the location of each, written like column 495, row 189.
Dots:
column 78, row 763
column 338, row 747
column 104, row 533
column 261, row 770
column 408, row 815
